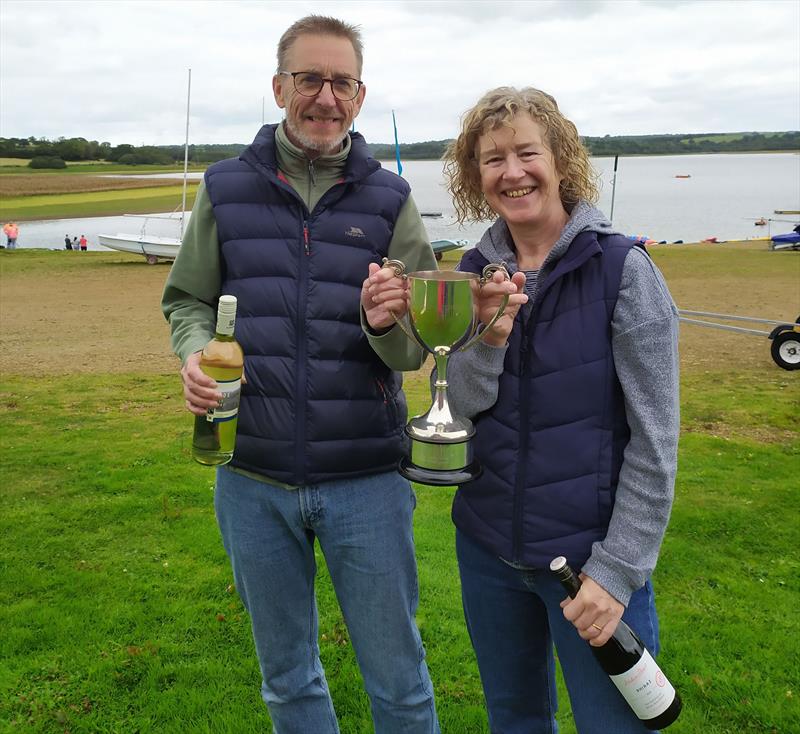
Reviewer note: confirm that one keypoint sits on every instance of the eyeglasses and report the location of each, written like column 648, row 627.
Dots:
column 310, row 85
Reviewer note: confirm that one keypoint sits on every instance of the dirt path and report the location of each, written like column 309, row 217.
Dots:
column 98, row 315
column 62, row 312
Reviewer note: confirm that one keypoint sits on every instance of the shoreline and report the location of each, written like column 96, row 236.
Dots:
column 731, row 243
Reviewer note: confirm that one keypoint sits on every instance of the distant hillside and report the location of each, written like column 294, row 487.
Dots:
column 80, row 149
column 609, row 145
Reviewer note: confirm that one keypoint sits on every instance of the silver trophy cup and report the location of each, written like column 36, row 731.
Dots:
column 442, row 319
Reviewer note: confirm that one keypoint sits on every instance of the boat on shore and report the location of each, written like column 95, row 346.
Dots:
column 788, row 241
column 155, row 248
column 442, row 246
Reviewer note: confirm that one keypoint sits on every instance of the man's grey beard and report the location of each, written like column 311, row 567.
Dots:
column 308, row 143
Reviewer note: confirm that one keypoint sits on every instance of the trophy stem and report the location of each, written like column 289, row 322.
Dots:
column 441, row 453
column 440, row 355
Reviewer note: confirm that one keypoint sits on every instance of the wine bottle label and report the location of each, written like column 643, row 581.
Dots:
column 226, row 323
column 229, row 404
column 645, row 688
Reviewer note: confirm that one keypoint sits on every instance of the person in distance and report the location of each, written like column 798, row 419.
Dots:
column 574, row 394
column 11, row 231
column 291, row 228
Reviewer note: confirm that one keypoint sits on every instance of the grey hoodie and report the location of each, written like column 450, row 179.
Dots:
column 644, row 330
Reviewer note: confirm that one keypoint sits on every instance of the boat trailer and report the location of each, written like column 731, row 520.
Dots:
column 785, row 338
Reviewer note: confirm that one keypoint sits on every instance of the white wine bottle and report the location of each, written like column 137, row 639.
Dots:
column 222, row 359
column 630, row 666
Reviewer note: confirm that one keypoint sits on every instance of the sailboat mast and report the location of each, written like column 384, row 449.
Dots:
column 186, row 151
column 613, row 188
column 397, row 147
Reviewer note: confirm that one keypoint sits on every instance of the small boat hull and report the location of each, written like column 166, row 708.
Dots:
column 789, row 241
column 442, row 246
column 153, row 248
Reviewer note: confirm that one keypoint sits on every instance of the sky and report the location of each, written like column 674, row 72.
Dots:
column 116, row 70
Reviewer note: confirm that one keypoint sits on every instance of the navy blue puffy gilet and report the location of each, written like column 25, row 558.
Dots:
column 318, row 404
column 552, row 445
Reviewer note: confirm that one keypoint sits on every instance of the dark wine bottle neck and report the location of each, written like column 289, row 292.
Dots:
column 569, row 580
column 224, row 337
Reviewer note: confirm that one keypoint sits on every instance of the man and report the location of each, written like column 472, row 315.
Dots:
column 291, row 228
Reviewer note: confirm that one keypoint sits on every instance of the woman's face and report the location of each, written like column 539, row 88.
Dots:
column 518, row 173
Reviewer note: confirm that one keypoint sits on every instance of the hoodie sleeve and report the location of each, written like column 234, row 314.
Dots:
column 645, row 346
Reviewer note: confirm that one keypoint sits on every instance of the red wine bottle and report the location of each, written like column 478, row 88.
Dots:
column 630, row 666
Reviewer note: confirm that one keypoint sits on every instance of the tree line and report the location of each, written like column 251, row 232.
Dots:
column 46, row 153
column 610, row 145
column 80, row 149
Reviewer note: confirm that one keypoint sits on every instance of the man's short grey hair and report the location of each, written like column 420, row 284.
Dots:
column 320, row 25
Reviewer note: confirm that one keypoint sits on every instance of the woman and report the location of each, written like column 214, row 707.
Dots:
column 574, row 393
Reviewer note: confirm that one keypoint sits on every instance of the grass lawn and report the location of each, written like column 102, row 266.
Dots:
column 120, row 615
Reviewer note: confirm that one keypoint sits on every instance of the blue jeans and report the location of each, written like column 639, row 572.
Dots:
column 364, row 528
column 514, row 619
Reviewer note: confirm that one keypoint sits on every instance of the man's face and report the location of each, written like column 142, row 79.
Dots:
column 318, row 124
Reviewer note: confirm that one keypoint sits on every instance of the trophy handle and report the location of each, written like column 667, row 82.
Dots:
column 399, row 268
column 486, row 275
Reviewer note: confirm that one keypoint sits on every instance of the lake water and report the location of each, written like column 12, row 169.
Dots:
column 722, row 198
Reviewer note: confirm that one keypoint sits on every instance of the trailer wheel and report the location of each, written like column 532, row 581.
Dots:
column 785, row 350
column 151, row 259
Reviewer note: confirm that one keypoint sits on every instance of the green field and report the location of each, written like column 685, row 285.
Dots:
column 119, row 614
column 72, row 202
column 95, row 203
column 10, row 166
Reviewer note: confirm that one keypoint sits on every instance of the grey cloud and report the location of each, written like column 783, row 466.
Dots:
column 480, row 12
column 615, row 67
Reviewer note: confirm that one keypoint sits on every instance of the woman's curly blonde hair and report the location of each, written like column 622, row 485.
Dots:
column 498, row 107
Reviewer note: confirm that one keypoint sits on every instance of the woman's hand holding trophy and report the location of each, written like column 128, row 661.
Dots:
column 489, row 299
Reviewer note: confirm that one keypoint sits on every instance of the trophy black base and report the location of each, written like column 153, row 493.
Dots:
column 439, row 477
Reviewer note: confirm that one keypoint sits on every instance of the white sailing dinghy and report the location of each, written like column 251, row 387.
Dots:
column 154, row 248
